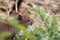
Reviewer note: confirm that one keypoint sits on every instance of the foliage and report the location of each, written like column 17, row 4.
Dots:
column 50, row 22
column 4, row 35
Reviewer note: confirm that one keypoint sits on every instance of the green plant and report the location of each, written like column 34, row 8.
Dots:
column 50, row 22
column 4, row 35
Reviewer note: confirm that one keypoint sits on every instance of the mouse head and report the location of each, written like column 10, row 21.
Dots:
column 25, row 20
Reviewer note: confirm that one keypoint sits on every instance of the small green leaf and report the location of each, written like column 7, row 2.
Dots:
column 4, row 35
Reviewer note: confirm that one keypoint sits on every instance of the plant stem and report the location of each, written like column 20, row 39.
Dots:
column 16, row 6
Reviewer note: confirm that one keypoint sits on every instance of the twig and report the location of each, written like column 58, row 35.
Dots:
column 16, row 6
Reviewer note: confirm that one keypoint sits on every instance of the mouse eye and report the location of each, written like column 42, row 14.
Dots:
column 27, row 20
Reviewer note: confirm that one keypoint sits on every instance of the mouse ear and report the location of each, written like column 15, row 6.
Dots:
column 19, row 17
column 13, row 13
column 10, row 13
